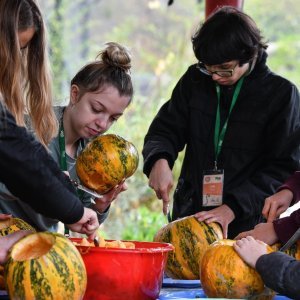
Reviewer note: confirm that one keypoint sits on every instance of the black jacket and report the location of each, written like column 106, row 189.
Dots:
column 281, row 273
column 256, row 153
column 30, row 173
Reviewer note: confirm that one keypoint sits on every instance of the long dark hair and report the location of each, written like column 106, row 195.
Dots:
column 25, row 81
column 228, row 34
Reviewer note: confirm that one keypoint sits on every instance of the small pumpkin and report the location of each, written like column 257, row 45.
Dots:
column 224, row 274
column 190, row 239
column 106, row 161
column 45, row 266
column 11, row 225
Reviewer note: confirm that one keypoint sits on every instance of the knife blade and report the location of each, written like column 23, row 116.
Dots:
column 291, row 241
column 85, row 189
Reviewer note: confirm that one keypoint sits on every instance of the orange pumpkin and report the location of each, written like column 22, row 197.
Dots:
column 106, row 161
column 190, row 239
column 11, row 225
column 45, row 266
column 224, row 274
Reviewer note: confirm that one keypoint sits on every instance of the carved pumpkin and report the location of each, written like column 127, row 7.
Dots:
column 106, row 161
column 45, row 266
column 191, row 239
column 224, row 274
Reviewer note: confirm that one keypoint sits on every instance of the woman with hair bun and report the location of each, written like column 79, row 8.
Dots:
column 99, row 94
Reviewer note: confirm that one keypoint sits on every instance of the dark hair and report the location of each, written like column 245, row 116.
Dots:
column 226, row 35
column 112, row 68
column 29, row 16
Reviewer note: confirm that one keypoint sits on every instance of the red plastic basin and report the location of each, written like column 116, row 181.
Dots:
column 115, row 274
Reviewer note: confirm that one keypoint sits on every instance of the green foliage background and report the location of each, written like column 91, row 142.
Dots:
column 159, row 39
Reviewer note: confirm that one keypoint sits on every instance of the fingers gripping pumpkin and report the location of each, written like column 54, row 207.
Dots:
column 224, row 274
column 106, row 161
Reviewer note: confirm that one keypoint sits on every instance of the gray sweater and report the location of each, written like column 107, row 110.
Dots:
column 12, row 205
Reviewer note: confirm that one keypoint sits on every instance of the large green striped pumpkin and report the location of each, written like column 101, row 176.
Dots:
column 106, row 161
column 45, row 266
column 190, row 239
column 224, row 274
column 11, row 225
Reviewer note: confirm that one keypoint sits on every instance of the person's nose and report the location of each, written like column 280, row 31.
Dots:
column 102, row 123
column 215, row 76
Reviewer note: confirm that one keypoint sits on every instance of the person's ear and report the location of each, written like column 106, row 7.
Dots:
column 74, row 94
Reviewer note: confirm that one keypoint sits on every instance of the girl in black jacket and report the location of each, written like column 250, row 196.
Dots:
column 26, row 167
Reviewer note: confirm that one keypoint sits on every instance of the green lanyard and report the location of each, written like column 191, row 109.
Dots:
column 62, row 148
column 63, row 155
column 63, row 161
column 219, row 135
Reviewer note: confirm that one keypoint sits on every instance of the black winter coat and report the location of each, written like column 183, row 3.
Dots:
column 30, row 173
column 281, row 273
column 257, row 155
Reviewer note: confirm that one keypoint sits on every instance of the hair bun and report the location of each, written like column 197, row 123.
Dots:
column 116, row 55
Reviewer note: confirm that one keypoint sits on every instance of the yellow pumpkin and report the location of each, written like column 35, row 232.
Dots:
column 13, row 224
column 224, row 274
column 45, row 266
column 106, row 161
column 190, row 239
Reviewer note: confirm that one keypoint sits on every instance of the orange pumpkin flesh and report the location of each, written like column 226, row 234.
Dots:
column 105, row 162
column 224, row 274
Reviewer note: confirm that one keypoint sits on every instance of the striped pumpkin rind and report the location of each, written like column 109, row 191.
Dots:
column 45, row 266
column 293, row 251
column 224, row 274
column 190, row 239
column 106, row 161
column 12, row 225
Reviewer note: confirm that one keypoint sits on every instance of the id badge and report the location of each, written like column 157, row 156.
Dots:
column 213, row 181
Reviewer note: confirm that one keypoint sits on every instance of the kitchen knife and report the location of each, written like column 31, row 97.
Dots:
column 295, row 237
column 85, row 189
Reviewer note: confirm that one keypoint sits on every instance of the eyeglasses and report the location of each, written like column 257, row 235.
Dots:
column 221, row 73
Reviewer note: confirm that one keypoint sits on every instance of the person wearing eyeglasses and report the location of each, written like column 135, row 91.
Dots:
column 234, row 118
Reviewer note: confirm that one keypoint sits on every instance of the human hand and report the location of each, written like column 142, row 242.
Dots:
column 277, row 204
column 101, row 204
column 161, row 181
column 264, row 232
column 5, row 216
column 250, row 250
column 8, row 241
column 222, row 215
column 88, row 224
